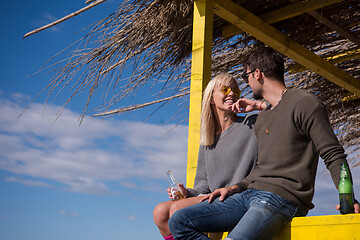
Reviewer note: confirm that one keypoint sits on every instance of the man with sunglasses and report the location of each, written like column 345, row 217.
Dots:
column 292, row 132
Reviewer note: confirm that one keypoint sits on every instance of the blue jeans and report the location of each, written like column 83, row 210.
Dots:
column 252, row 214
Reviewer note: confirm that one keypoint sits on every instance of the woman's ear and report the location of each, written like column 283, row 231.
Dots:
column 212, row 100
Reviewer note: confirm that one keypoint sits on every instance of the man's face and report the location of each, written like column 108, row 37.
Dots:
column 254, row 83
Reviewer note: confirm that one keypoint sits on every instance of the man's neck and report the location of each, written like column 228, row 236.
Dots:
column 273, row 92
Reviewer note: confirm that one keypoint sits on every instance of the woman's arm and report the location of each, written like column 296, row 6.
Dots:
column 201, row 183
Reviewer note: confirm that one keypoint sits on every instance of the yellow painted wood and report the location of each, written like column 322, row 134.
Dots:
column 200, row 76
column 348, row 97
column 280, row 14
column 253, row 25
column 336, row 58
column 331, row 227
column 217, row 236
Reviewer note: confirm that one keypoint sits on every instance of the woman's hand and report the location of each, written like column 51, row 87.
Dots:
column 244, row 105
column 182, row 189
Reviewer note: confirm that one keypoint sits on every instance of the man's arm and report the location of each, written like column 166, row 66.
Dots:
column 316, row 125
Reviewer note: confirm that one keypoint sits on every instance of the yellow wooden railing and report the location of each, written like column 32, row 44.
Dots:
column 330, row 227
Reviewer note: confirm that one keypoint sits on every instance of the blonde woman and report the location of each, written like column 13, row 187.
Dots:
column 228, row 148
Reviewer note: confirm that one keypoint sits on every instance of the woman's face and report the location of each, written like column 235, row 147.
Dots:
column 225, row 96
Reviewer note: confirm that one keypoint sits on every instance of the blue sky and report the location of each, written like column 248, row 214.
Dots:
column 100, row 180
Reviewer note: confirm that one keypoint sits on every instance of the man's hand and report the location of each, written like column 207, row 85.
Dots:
column 244, row 105
column 222, row 192
column 356, row 207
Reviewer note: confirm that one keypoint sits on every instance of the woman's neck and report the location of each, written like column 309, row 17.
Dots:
column 223, row 121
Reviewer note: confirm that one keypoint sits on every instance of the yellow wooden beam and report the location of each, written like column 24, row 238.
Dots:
column 200, row 76
column 283, row 13
column 348, row 97
column 336, row 58
column 331, row 227
column 253, row 25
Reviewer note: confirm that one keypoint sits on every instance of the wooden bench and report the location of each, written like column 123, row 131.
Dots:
column 329, row 227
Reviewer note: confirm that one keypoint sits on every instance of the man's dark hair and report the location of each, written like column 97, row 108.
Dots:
column 267, row 60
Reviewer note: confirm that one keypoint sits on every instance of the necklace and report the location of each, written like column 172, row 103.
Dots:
column 267, row 130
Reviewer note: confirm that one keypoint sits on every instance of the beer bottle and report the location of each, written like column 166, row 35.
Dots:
column 345, row 190
column 174, row 187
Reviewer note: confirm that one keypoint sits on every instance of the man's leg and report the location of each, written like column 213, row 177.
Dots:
column 266, row 215
column 193, row 221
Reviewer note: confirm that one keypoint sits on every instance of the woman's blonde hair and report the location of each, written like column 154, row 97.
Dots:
column 208, row 120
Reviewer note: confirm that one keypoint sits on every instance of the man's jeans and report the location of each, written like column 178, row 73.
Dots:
column 252, row 214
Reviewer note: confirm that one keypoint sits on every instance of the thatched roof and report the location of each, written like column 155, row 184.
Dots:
column 154, row 38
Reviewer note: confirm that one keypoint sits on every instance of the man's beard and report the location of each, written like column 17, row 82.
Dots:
column 257, row 96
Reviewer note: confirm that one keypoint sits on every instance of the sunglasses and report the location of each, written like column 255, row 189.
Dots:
column 245, row 76
column 226, row 91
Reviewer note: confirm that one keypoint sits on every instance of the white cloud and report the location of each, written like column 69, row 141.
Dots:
column 132, row 217
column 66, row 213
column 85, row 158
column 28, row 182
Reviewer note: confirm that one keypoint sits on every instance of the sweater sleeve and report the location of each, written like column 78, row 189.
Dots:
column 244, row 184
column 201, row 183
column 316, row 125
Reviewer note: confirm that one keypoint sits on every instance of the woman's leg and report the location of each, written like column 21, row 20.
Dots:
column 183, row 203
column 164, row 210
column 161, row 217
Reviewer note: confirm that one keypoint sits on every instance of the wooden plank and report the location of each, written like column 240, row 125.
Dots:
column 330, row 227
column 283, row 13
column 200, row 76
column 253, row 25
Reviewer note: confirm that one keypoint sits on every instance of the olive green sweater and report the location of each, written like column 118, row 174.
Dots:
column 298, row 132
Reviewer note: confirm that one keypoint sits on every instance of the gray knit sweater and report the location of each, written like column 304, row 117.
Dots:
column 229, row 159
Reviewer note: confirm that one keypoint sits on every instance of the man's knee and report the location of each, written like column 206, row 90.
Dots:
column 176, row 222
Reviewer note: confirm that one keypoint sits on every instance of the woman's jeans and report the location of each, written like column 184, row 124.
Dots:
column 252, row 214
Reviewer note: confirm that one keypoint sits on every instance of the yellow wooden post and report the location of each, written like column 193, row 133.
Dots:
column 200, row 76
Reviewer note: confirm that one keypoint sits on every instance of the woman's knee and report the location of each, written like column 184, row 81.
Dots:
column 174, row 207
column 161, row 213
column 183, row 203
